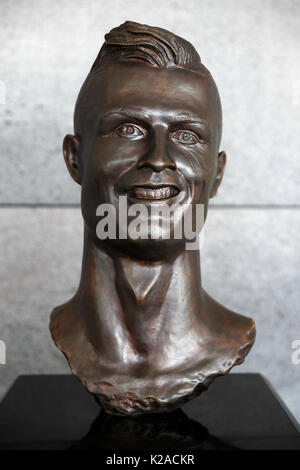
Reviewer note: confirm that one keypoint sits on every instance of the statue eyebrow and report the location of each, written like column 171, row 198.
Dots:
column 180, row 116
column 127, row 112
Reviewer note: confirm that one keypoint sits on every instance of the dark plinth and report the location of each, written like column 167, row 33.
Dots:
column 239, row 411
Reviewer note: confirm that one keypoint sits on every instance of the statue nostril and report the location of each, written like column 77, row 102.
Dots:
column 158, row 165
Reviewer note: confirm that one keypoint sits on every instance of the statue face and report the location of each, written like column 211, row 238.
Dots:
column 151, row 134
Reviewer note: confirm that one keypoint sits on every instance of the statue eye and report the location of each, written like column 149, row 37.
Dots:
column 130, row 131
column 186, row 137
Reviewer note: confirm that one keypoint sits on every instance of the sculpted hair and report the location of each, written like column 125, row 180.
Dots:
column 135, row 42
column 139, row 42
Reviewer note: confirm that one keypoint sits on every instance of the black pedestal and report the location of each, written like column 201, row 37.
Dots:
column 239, row 411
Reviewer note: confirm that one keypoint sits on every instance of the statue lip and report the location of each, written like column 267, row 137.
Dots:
column 153, row 192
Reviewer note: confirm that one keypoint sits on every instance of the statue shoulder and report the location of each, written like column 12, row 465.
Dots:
column 235, row 331
column 64, row 323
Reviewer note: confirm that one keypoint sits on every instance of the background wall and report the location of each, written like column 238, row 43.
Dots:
column 250, row 258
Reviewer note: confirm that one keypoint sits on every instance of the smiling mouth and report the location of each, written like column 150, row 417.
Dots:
column 154, row 193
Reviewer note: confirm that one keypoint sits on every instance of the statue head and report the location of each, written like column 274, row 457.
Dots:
column 147, row 125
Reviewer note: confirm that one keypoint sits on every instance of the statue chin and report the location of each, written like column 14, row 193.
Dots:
column 144, row 250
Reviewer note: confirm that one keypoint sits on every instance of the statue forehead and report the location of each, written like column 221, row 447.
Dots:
column 175, row 88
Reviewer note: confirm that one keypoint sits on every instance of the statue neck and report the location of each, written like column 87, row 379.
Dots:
column 139, row 301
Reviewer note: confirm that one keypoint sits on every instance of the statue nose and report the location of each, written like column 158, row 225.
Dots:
column 158, row 158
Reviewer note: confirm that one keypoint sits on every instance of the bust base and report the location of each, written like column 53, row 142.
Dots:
column 239, row 411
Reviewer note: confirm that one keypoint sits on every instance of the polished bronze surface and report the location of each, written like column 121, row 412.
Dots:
column 141, row 333
column 165, row 431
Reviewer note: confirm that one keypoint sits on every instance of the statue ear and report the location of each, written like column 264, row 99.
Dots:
column 71, row 146
column 220, row 171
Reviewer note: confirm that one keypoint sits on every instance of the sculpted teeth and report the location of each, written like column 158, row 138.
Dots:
column 154, row 193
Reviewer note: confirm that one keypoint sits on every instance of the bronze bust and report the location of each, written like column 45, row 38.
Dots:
column 141, row 333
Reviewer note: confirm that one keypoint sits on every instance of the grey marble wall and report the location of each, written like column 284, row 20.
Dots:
column 250, row 46
column 250, row 259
